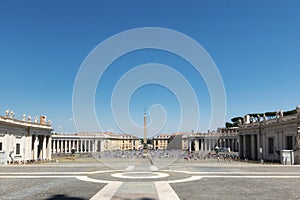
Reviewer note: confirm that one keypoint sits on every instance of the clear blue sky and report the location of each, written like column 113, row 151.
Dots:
column 255, row 44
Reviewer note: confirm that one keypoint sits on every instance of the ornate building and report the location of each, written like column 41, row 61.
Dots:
column 94, row 142
column 222, row 138
column 24, row 140
column 161, row 141
column 263, row 137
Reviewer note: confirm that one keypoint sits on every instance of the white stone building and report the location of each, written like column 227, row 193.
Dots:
column 23, row 140
column 222, row 138
column 160, row 142
column 265, row 137
column 93, row 142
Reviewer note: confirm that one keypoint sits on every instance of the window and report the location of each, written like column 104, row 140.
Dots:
column 1, row 149
column 18, row 149
column 289, row 142
column 271, row 145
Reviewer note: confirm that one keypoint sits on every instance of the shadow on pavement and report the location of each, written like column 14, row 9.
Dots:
column 63, row 197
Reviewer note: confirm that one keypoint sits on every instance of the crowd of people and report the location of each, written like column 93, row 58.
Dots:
column 174, row 154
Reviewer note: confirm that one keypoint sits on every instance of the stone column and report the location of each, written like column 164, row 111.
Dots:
column 60, row 146
column 201, row 142
column 35, row 147
column 86, row 146
column 77, row 146
column 258, row 147
column 69, row 150
column 196, row 145
column 57, row 146
column 94, row 146
column 65, row 146
column 97, row 145
column 49, row 147
column 44, row 148
column 241, row 153
column 54, row 147
column 102, row 145
column 244, row 147
column 81, row 146
column 252, row 147
column 190, row 145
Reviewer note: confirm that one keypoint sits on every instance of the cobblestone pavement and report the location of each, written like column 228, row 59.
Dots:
column 144, row 179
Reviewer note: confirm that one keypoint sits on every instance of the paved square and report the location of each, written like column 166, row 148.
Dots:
column 140, row 179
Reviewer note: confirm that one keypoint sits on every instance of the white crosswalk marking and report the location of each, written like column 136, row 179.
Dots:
column 107, row 192
column 130, row 168
column 165, row 191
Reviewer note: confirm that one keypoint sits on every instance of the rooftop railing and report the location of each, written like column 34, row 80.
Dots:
column 22, row 122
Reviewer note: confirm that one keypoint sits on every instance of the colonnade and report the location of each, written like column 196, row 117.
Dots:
column 207, row 144
column 79, row 145
column 250, row 146
column 41, row 147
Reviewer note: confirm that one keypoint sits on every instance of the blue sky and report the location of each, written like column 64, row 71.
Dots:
column 254, row 44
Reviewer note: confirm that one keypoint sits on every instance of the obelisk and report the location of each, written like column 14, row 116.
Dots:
column 145, row 130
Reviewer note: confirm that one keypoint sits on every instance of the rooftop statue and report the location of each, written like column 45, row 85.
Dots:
column 247, row 119
column 36, row 119
column 240, row 122
column 29, row 118
column 258, row 118
column 24, row 118
column 12, row 114
column 277, row 114
column 7, row 113
column 281, row 113
column 252, row 119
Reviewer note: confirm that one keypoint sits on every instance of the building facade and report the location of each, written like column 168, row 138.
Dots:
column 93, row 142
column 222, row 138
column 24, row 140
column 264, row 138
column 189, row 141
column 160, row 142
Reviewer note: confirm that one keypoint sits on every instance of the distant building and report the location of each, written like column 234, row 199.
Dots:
column 222, row 138
column 24, row 140
column 160, row 142
column 264, row 137
column 94, row 142
column 168, row 141
column 189, row 141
